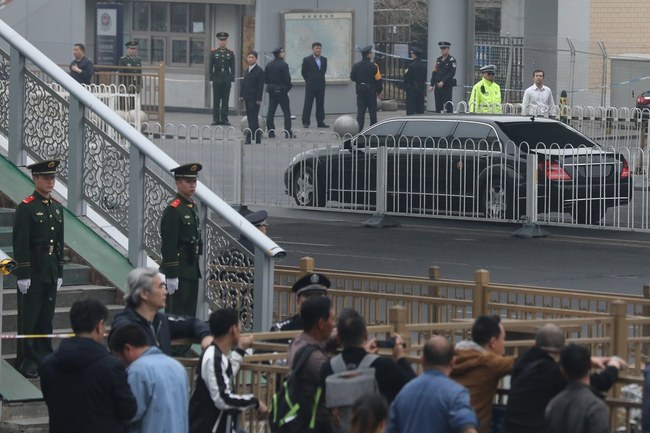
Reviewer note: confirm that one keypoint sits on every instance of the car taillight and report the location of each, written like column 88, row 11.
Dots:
column 642, row 100
column 625, row 171
column 553, row 171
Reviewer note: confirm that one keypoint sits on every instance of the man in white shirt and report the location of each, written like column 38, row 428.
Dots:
column 538, row 98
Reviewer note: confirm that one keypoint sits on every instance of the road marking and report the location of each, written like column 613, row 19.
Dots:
column 305, row 243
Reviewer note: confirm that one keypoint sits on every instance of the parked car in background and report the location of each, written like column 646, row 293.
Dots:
column 467, row 165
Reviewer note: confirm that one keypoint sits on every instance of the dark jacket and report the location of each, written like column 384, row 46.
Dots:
column 87, row 70
column 181, row 243
column 252, row 87
column 277, row 77
column 391, row 376
column 577, row 409
column 163, row 329
column 314, row 77
column 367, row 77
column 415, row 77
column 86, row 389
column 536, row 379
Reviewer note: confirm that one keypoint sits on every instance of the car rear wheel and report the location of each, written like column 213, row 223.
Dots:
column 497, row 201
column 307, row 190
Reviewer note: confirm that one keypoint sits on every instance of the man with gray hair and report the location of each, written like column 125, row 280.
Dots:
column 537, row 378
column 146, row 296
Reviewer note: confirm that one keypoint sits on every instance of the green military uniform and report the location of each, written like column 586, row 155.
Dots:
column 222, row 74
column 181, row 247
column 38, row 251
column 486, row 94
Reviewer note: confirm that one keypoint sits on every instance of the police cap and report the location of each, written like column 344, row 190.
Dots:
column 45, row 167
column 366, row 49
column 276, row 51
column 488, row 68
column 190, row 171
column 222, row 35
column 257, row 218
column 311, row 282
column 131, row 44
column 417, row 51
column 444, row 44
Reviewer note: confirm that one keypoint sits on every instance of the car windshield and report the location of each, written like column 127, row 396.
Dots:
column 544, row 134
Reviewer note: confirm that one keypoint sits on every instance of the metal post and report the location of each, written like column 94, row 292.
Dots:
column 239, row 175
column 137, row 253
column 262, row 292
column 530, row 228
column 16, row 107
column 479, row 298
column 573, row 64
column 202, row 305
column 603, row 91
column 509, row 71
column 380, row 219
column 75, row 156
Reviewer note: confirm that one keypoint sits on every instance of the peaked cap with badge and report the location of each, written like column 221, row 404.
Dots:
column 311, row 282
column 188, row 171
column 45, row 167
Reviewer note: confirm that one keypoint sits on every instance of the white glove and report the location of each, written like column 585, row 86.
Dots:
column 59, row 282
column 23, row 285
column 172, row 285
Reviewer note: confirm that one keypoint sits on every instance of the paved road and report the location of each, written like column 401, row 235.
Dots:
column 597, row 260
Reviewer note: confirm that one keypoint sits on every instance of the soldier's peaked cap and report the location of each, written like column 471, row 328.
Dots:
column 311, row 282
column 222, row 35
column 444, row 44
column 366, row 49
column 45, row 167
column 187, row 170
column 417, row 51
column 131, row 44
column 257, row 218
column 488, row 68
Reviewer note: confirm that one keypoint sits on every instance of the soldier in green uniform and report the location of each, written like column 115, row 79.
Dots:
column 38, row 250
column 133, row 81
column 181, row 243
column 221, row 74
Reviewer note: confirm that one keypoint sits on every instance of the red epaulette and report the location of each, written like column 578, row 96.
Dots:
column 29, row 199
column 175, row 203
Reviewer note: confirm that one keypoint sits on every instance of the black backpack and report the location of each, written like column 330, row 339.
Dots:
column 285, row 413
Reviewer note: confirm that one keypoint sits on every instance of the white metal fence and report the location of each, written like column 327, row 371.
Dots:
column 603, row 186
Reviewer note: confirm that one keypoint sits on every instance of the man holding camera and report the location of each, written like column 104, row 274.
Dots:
column 181, row 243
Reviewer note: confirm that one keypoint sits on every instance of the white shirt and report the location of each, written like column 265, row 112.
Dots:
column 537, row 100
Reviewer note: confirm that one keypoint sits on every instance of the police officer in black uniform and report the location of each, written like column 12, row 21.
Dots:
column 258, row 219
column 222, row 75
column 182, row 245
column 442, row 78
column 278, row 84
column 310, row 285
column 38, row 250
column 369, row 86
column 415, row 80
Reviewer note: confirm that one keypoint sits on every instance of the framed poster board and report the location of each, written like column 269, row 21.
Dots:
column 334, row 29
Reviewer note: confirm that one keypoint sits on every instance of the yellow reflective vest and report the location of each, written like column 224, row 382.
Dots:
column 485, row 97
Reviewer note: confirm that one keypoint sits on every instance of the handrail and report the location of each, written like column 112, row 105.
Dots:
column 150, row 150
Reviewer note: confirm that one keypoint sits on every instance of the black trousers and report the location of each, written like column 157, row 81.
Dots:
column 319, row 96
column 35, row 315
column 283, row 101
column 366, row 101
column 252, row 111
column 220, row 95
column 183, row 301
column 443, row 95
column 414, row 101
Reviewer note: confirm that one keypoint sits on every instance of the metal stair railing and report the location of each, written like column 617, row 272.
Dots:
column 125, row 178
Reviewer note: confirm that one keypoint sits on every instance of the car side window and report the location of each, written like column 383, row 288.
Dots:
column 426, row 133
column 384, row 134
column 471, row 134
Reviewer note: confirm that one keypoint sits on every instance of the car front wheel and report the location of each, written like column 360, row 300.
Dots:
column 307, row 190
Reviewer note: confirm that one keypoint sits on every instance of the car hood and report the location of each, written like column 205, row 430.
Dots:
column 317, row 153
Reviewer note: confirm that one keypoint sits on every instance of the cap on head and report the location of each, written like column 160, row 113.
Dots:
column 276, row 52
column 45, row 167
column 253, row 53
column 444, row 44
column 417, row 51
column 365, row 50
column 550, row 338
column 189, row 171
column 311, row 282
column 131, row 44
column 222, row 36
column 488, row 68
column 257, row 218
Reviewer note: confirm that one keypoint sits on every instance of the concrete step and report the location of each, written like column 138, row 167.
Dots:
column 9, row 350
column 6, row 217
column 67, row 295
column 73, row 274
column 61, row 317
column 5, row 236
column 22, row 410
column 25, row 425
